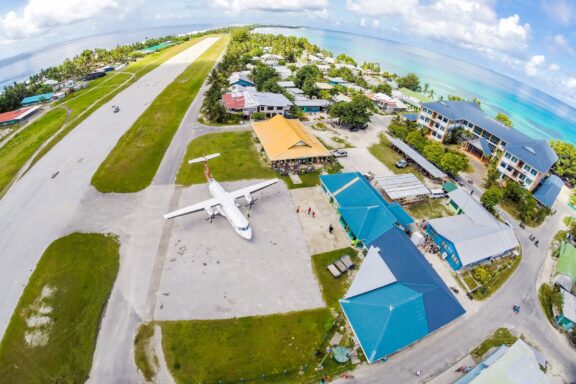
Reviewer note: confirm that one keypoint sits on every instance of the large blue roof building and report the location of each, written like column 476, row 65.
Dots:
column 364, row 213
column 396, row 298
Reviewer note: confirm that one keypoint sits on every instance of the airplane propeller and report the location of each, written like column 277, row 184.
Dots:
column 251, row 203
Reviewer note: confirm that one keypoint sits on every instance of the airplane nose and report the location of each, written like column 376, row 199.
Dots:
column 247, row 234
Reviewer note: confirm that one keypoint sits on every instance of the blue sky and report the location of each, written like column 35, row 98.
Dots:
column 531, row 40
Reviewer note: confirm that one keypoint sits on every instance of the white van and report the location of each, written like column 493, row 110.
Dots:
column 437, row 193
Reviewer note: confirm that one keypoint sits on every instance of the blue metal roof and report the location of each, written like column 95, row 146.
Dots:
column 410, row 116
column 549, row 190
column 365, row 211
column 36, row 98
column 368, row 223
column 537, row 153
column 396, row 315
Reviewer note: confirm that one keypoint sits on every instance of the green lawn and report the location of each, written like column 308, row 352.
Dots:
column 146, row 363
column 52, row 334
column 429, row 209
column 238, row 161
column 470, row 282
column 503, row 269
column 390, row 157
column 133, row 162
column 244, row 348
column 333, row 289
column 16, row 152
column 23, row 146
column 501, row 336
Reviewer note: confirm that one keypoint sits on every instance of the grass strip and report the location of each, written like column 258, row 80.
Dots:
column 333, row 289
column 145, row 360
column 16, row 152
column 390, row 157
column 501, row 336
column 238, row 161
column 133, row 162
column 52, row 334
column 269, row 348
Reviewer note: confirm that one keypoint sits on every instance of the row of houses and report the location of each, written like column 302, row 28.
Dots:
column 520, row 157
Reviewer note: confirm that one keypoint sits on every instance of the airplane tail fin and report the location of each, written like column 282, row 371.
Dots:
column 206, row 167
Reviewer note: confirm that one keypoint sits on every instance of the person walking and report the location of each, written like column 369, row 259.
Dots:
column 313, row 214
column 298, row 209
column 309, row 210
column 330, row 229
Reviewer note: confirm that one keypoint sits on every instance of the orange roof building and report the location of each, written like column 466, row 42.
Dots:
column 287, row 139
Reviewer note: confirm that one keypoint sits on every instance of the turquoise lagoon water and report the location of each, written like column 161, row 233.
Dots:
column 532, row 111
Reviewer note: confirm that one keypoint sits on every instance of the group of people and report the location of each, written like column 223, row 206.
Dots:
column 310, row 211
column 299, row 167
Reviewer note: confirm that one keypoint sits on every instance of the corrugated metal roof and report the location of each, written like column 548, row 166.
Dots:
column 353, row 190
column 240, row 76
column 286, row 84
column 568, row 305
column 402, row 186
column 17, row 114
column 285, row 139
column 400, row 312
column 37, row 98
column 417, row 158
column 476, row 234
column 567, row 260
column 517, row 364
column 549, row 190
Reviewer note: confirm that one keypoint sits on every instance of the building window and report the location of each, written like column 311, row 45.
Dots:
column 528, row 181
column 514, row 159
column 533, row 172
column 527, row 168
column 270, row 108
column 503, row 165
column 509, row 168
column 507, row 155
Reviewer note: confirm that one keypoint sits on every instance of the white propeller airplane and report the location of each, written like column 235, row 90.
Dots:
column 223, row 202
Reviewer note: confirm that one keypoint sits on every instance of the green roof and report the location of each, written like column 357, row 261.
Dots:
column 449, row 186
column 419, row 96
column 567, row 260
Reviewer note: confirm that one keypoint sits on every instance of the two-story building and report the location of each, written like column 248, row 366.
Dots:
column 521, row 158
column 250, row 101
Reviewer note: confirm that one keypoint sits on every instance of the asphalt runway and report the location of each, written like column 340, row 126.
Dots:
column 38, row 209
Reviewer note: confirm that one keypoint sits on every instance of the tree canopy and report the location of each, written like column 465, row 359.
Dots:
column 355, row 113
column 504, row 119
column 565, row 167
column 410, row 81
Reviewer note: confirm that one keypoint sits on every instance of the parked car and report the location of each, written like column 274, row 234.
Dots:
column 339, row 153
column 401, row 163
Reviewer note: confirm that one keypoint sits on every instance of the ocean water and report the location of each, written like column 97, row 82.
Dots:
column 533, row 112
column 20, row 67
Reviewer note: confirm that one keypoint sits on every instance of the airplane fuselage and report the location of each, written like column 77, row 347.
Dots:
column 230, row 210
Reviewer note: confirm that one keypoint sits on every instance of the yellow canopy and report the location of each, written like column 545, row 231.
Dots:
column 285, row 139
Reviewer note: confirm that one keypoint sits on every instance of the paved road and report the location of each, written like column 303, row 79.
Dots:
column 38, row 209
column 440, row 350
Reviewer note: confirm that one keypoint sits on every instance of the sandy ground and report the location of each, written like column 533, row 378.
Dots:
column 212, row 273
column 316, row 233
column 38, row 209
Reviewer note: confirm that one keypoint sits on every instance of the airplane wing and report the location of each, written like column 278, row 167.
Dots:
column 253, row 188
column 193, row 208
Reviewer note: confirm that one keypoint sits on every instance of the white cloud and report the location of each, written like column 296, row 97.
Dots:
column 554, row 67
column 271, row 5
column 560, row 11
column 532, row 65
column 375, row 24
column 469, row 23
column 40, row 16
column 570, row 82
